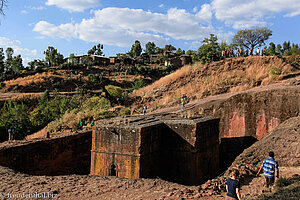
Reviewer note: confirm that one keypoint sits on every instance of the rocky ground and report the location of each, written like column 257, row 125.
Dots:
column 93, row 187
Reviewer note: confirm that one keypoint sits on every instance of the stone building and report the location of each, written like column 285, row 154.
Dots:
column 173, row 61
column 186, row 59
column 180, row 150
column 87, row 59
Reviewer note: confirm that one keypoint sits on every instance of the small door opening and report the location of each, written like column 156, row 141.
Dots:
column 113, row 171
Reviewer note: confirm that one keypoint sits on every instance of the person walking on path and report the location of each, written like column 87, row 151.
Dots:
column 144, row 109
column 185, row 99
column 270, row 166
column 182, row 102
column 233, row 186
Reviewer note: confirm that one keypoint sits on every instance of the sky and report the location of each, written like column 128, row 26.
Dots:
column 75, row 26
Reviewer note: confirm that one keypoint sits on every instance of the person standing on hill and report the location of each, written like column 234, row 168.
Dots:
column 233, row 186
column 81, row 125
column 182, row 102
column 270, row 166
column 10, row 133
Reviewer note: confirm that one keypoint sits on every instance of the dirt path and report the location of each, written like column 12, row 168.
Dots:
column 94, row 187
column 257, row 185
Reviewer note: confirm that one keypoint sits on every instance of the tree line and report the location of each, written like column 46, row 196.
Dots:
column 12, row 65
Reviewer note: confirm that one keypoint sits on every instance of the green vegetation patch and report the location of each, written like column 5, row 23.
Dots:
column 274, row 71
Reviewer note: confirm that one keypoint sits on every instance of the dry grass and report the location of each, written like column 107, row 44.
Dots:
column 198, row 81
column 182, row 72
column 28, row 80
column 27, row 96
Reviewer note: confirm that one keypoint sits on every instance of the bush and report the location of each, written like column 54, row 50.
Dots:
column 92, row 78
column 171, row 68
column 274, row 71
column 96, row 103
column 114, row 91
column 139, row 83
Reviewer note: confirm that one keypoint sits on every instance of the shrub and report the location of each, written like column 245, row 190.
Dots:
column 274, row 71
column 114, row 91
column 139, row 83
column 92, row 78
column 96, row 103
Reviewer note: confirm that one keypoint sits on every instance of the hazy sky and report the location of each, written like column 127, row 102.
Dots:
column 74, row 26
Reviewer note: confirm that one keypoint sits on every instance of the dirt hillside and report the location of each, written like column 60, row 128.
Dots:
column 231, row 75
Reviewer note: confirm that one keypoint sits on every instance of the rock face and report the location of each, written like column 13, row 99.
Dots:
column 246, row 117
column 284, row 141
column 58, row 156
column 179, row 150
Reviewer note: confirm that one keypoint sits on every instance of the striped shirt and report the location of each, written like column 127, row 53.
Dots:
column 270, row 166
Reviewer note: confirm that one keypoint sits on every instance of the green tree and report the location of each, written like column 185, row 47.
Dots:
column 150, row 48
column 180, row 52
column 52, row 57
column 291, row 50
column 285, row 46
column 9, row 58
column 251, row 38
column 17, row 64
column 169, row 47
column 159, row 50
column 279, row 49
column 136, row 49
column 49, row 109
column 209, row 47
column 96, row 50
column 36, row 64
column 271, row 50
column 15, row 116
column 194, row 55
column 224, row 46
column 2, row 60
column 72, row 58
column 9, row 61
